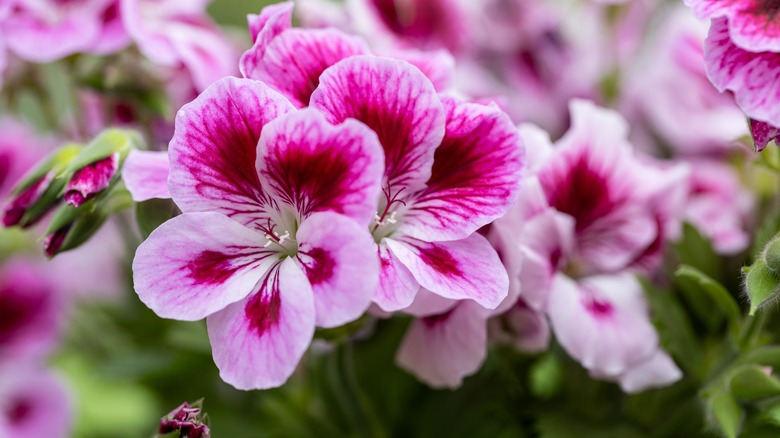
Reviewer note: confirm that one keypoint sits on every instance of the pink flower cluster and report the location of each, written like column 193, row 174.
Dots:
column 338, row 177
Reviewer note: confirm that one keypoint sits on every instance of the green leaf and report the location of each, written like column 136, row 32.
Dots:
column 696, row 250
column 153, row 213
column 751, row 383
column 726, row 412
column 768, row 355
column 720, row 296
column 761, row 285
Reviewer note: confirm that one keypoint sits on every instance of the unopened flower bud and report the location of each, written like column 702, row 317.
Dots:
column 186, row 420
column 18, row 205
column 38, row 192
column 70, row 227
column 95, row 169
column 763, row 133
column 91, row 180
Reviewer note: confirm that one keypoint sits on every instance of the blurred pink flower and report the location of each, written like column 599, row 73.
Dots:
column 719, row 206
column 20, row 149
column 273, row 240
column 35, row 403
column 31, row 311
column 44, row 31
column 670, row 93
column 176, row 33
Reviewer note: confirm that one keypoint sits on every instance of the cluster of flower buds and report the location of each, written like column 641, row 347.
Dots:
column 85, row 178
column 186, row 421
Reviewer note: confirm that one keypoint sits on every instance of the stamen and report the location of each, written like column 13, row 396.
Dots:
column 390, row 199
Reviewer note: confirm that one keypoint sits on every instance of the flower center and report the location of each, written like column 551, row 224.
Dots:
column 280, row 239
column 386, row 218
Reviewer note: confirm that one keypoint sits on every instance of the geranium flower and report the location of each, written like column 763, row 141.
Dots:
column 273, row 238
column 450, row 168
column 624, row 206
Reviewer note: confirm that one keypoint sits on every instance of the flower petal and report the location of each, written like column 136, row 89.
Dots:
column 258, row 341
column 198, row 263
column 397, row 286
column 475, row 176
column 293, row 61
column 272, row 21
column 214, row 148
column 427, row 303
column 145, row 174
column 657, row 371
column 441, row 350
column 437, row 65
column 753, row 77
column 602, row 322
column 337, row 255
column 314, row 166
column 395, row 100
column 460, row 269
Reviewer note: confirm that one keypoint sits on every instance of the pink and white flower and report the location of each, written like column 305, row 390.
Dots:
column 624, row 207
column 273, row 238
column 34, row 403
column 450, row 168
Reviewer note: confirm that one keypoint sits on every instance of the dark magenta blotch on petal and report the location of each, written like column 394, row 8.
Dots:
column 263, row 308
column 583, row 193
column 211, row 267
column 441, row 260
column 320, row 266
